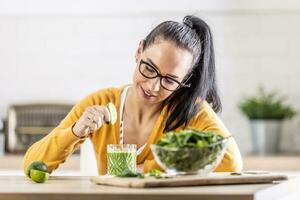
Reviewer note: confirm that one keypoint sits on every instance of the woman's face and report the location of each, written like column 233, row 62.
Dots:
column 169, row 60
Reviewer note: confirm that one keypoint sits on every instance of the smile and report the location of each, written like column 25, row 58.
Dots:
column 146, row 94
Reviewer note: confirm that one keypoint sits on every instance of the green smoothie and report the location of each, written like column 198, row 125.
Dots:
column 119, row 160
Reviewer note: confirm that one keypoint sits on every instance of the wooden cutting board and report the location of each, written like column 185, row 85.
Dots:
column 192, row 180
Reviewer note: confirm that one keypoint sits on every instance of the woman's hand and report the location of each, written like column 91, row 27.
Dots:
column 140, row 168
column 91, row 120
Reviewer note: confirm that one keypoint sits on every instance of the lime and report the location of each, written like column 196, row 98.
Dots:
column 38, row 165
column 38, row 176
column 112, row 113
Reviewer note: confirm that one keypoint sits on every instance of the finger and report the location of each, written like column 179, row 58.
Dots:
column 97, row 114
column 104, row 111
column 89, row 115
column 90, row 128
column 99, row 122
column 87, row 130
column 89, row 110
column 89, row 119
column 94, row 113
column 92, row 125
column 93, row 118
column 95, row 127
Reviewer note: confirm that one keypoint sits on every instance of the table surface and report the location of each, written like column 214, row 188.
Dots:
column 80, row 187
column 266, row 163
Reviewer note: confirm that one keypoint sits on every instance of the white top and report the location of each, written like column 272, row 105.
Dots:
column 122, row 103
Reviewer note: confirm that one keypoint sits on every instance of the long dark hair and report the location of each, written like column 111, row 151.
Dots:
column 195, row 36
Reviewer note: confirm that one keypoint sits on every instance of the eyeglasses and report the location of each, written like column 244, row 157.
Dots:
column 168, row 83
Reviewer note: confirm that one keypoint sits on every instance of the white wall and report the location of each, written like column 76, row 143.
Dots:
column 63, row 50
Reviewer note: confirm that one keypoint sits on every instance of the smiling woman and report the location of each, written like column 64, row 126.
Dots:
column 174, row 86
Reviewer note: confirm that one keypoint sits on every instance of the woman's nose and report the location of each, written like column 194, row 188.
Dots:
column 155, row 84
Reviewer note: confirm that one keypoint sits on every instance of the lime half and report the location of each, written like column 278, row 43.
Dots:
column 38, row 165
column 112, row 113
column 38, row 176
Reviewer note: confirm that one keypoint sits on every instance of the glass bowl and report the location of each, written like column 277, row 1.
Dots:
column 188, row 161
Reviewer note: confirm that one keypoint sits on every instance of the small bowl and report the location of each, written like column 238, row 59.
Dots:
column 188, row 161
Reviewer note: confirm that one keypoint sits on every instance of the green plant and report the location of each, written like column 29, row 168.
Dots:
column 266, row 106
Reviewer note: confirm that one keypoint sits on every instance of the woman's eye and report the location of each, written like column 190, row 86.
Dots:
column 150, row 69
column 170, row 81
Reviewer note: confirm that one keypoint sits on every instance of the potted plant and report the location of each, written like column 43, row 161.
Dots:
column 266, row 112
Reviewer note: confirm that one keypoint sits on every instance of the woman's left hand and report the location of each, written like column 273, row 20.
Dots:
column 140, row 168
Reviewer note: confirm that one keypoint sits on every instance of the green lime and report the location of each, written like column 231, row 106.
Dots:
column 38, row 176
column 112, row 113
column 38, row 165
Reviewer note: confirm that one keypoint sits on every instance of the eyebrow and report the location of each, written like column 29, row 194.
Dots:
column 152, row 63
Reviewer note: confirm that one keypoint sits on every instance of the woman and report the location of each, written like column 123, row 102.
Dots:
column 174, row 86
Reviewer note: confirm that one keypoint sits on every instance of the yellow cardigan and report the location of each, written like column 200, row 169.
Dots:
column 54, row 148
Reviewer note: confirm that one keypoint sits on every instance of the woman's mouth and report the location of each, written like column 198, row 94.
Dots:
column 147, row 95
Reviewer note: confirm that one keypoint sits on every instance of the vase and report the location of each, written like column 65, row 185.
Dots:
column 265, row 136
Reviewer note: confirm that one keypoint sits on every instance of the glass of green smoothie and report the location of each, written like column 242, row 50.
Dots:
column 121, row 157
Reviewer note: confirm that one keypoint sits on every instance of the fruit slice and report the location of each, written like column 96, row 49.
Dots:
column 112, row 113
column 38, row 176
column 38, row 165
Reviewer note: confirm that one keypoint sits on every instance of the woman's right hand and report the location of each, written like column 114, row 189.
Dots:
column 91, row 120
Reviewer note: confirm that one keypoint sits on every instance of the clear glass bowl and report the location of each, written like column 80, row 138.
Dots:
column 187, row 161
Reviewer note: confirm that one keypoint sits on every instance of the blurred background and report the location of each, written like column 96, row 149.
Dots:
column 54, row 53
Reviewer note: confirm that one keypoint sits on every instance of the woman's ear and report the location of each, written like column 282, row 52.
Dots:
column 139, row 51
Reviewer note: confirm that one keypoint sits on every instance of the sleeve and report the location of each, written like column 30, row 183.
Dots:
column 151, row 164
column 61, row 142
column 207, row 120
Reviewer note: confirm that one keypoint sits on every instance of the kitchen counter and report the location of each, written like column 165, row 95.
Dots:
column 80, row 187
column 267, row 163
